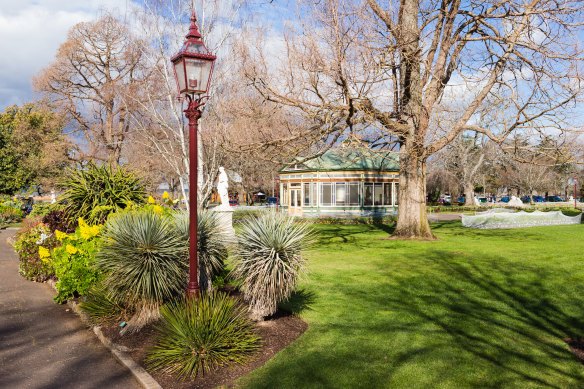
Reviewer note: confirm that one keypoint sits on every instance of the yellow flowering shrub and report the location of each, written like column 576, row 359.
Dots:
column 72, row 261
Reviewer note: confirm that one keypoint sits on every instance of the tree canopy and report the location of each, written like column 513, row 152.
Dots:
column 33, row 149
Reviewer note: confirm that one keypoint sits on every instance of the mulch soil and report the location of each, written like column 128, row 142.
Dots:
column 276, row 332
column 577, row 347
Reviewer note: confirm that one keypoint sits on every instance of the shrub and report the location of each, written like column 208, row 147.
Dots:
column 40, row 209
column 144, row 259
column 95, row 191
column 212, row 244
column 197, row 335
column 73, row 261
column 12, row 204
column 9, row 214
column 103, row 305
column 58, row 221
column 28, row 246
column 269, row 261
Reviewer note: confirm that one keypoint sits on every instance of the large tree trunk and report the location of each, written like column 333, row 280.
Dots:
column 412, row 221
column 469, row 196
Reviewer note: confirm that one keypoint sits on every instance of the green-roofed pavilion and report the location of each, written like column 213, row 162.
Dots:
column 341, row 183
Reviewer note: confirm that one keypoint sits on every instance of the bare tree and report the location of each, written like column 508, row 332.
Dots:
column 160, row 116
column 375, row 73
column 464, row 158
column 98, row 64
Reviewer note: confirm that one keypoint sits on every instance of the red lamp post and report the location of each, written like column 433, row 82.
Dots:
column 193, row 67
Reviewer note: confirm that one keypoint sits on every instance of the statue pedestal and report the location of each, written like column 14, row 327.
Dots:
column 225, row 216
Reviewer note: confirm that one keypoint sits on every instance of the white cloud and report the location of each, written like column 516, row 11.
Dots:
column 31, row 32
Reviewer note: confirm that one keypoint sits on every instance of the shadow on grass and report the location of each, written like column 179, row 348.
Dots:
column 335, row 234
column 468, row 322
column 300, row 301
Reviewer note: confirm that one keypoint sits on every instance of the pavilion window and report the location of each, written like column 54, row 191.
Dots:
column 314, row 195
column 378, row 194
column 284, row 194
column 395, row 193
column 368, row 195
column 340, row 193
column 307, row 194
column 387, row 193
column 326, row 194
column 353, row 189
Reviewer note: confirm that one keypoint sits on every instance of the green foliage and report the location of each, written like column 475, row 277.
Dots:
column 212, row 244
column 27, row 245
column 73, row 261
column 269, row 260
column 9, row 214
column 197, row 335
column 104, row 305
column 143, row 256
column 40, row 209
column 32, row 147
column 95, row 191
column 12, row 203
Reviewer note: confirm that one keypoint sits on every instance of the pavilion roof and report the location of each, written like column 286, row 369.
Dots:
column 346, row 160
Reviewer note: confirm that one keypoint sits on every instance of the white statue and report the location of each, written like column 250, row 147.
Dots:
column 222, row 186
column 476, row 201
column 53, row 197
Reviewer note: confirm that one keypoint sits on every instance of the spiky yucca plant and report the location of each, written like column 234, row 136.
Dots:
column 197, row 335
column 144, row 259
column 212, row 244
column 104, row 305
column 269, row 260
column 102, row 188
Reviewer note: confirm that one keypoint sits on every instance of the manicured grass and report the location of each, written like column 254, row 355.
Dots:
column 477, row 309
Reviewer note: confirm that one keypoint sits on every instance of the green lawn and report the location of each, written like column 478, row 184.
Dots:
column 477, row 309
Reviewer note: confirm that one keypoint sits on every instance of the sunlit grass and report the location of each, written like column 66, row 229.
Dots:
column 476, row 309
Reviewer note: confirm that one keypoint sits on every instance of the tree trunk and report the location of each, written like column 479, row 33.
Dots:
column 412, row 221
column 469, row 196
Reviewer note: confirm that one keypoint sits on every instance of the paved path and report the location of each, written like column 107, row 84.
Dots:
column 435, row 217
column 42, row 344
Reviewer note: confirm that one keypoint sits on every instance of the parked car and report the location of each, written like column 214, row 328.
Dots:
column 461, row 200
column 233, row 203
column 526, row 199
column 538, row 199
column 504, row 199
column 555, row 199
column 272, row 202
column 446, row 200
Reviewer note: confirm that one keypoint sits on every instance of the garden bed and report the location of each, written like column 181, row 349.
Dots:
column 276, row 333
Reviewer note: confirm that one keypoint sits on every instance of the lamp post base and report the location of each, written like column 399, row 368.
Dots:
column 193, row 290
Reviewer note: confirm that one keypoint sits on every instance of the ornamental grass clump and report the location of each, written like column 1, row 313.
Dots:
column 197, row 335
column 212, row 244
column 144, row 260
column 104, row 305
column 269, row 260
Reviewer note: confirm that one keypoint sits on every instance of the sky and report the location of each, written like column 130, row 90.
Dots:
column 31, row 31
